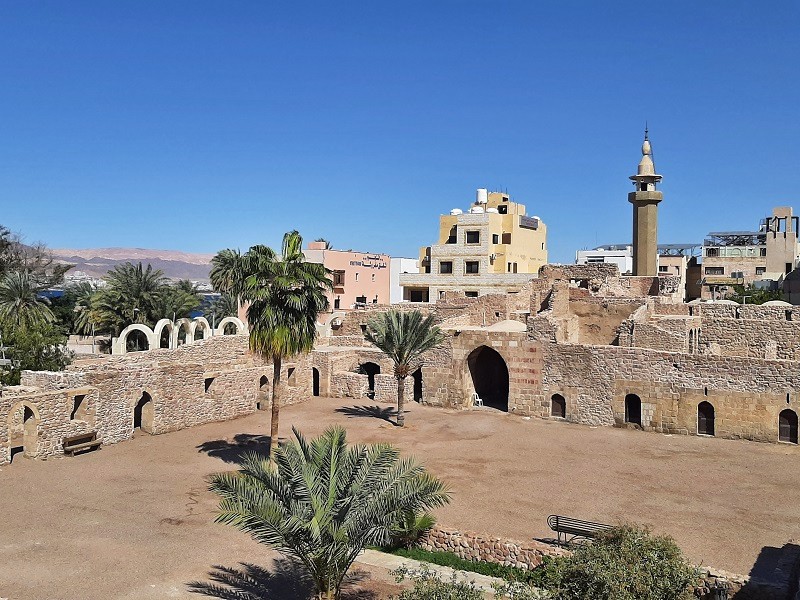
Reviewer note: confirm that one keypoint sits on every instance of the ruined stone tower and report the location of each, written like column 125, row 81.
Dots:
column 645, row 214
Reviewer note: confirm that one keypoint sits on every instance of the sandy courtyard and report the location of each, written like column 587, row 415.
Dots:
column 134, row 520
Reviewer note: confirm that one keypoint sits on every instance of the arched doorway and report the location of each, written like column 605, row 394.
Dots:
column 417, row 376
column 315, row 377
column 633, row 409
column 787, row 426
column 705, row 418
column 143, row 414
column 370, row 369
column 489, row 377
column 137, row 341
column 558, row 406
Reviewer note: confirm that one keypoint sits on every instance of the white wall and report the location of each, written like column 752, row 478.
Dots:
column 397, row 266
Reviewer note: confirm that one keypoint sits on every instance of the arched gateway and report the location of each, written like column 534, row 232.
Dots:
column 489, row 377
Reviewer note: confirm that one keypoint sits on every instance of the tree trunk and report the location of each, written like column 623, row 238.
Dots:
column 401, row 389
column 276, row 407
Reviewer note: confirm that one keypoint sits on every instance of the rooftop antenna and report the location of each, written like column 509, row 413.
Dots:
column 646, row 131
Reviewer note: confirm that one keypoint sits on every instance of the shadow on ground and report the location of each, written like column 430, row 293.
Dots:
column 287, row 580
column 374, row 412
column 235, row 451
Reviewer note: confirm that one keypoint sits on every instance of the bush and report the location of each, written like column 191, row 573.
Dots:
column 625, row 563
column 542, row 576
column 410, row 527
column 428, row 586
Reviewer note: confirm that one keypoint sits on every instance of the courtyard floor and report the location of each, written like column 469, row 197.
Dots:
column 134, row 520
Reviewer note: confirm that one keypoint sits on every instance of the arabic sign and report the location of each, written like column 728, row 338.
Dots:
column 529, row 222
column 369, row 262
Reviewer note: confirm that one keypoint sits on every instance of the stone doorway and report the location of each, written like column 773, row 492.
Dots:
column 143, row 414
column 633, row 409
column 370, row 369
column 24, row 433
column 705, row 419
column 315, row 383
column 417, row 376
column 489, row 377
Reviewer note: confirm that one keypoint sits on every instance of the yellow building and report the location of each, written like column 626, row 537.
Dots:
column 494, row 247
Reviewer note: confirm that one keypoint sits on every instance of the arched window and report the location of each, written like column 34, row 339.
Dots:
column 633, row 409
column 558, row 406
column 705, row 418
column 787, row 426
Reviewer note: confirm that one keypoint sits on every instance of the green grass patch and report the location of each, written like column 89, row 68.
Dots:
column 537, row 577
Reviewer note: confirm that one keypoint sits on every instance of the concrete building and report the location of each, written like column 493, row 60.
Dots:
column 359, row 278
column 645, row 213
column 397, row 266
column 494, row 247
column 763, row 257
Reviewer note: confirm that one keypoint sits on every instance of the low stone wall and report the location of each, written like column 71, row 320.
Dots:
column 472, row 546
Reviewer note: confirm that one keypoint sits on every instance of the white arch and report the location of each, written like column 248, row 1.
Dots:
column 186, row 325
column 240, row 327
column 120, row 344
column 203, row 323
column 158, row 330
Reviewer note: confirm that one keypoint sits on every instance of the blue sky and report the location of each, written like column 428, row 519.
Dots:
column 197, row 126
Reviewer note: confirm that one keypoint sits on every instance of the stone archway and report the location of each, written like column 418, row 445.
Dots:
column 370, row 369
column 231, row 326
column 144, row 334
column 23, row 430
column 489, row 375
column 183, row 334
column 143, row 414
column 200, row 324
column 163, row 333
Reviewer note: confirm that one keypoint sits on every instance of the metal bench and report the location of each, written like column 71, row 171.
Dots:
column 81, row 442
column 569, row 529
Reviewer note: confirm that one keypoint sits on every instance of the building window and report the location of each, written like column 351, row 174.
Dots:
column 418, row 295
column 506, row 238
column 761, row 270
column 595, row 259
column 513, row 267
column 473, row 237
column 361, row 299
column 762, row 251
column 471, row 294
column 715, row 271
column 78, row 408
column 712, row 251
column 471, row 267
column 291, row 380
column 446, row 267
column 356, row 276
column 663, row 269
column 503, row 210
column 338, row 278
column 208, row 384
column 495, row 238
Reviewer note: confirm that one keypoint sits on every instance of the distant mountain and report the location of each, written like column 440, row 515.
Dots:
column 96, row 262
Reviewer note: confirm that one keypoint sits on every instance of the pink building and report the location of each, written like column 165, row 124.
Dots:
column 359, row 278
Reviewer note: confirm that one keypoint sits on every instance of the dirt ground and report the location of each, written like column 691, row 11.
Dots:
column 134, row 520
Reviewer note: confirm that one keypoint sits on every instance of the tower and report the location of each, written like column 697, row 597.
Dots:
column 645, row 213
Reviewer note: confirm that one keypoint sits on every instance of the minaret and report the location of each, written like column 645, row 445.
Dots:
column 645, row 214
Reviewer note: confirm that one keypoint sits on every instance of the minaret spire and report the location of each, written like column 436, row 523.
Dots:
column 645, row 212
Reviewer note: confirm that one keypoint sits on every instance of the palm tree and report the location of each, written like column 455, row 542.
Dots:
column 133, row 294
column 404, row 337
column 325, row 501
column 286, row 294
column 228, row 273
column 21, row 307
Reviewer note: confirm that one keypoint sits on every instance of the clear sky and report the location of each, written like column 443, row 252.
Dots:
column 202, row 125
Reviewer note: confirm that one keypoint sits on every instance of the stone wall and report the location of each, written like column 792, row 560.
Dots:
column 211, row 380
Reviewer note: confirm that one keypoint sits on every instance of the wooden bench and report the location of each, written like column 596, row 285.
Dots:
column 569, row 529
column 81, row 442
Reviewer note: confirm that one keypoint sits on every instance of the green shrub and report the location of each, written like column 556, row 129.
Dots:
column 410, row 527
column 625, row 563
column 428, row 586
column 542, row 576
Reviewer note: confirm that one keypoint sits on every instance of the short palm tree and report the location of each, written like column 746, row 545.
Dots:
column 404, row 337
column 325, row 501
column 21, row 307
column 286, row 294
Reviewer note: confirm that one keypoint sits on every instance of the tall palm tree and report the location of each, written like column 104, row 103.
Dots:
column 404, row 337
column 286, row 294
column 325, row 501
column 21, row 307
